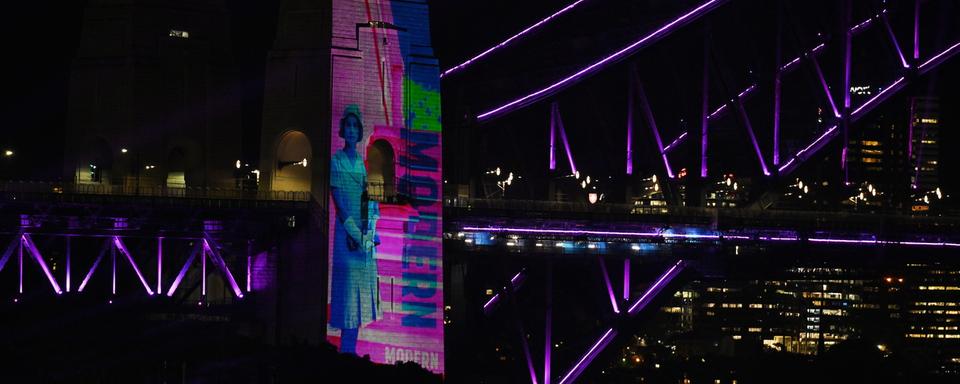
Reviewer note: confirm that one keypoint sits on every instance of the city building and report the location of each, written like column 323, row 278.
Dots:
column 152, row 101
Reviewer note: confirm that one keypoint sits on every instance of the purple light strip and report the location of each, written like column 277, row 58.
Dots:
column 222, row 266
column 847, row 60
column 113, row 269
column 826, row 88
column 880, row 96
column 777, row 91
column 588, row 357
column 490, row 302
column 159, row 265
column 893, row 40
column 563, row 137
column 249, row 264
column 69, row 257
column 673, row 144
column 203, row 269
column 630, row 106
column 511, row 39
column 699, row 236
column 96, row 263
column 514, row 285
column 655, row 288
column 43, row 264
column 747, row 91
column 789, row 66
column 526, row 352
column 753, row 137
column 606, row 281
column 648, row 113
column 786, row 168
column 548, row 325
column 9, row 251
column 704, row 106
column 626, row 278
column 768, row 238
column 561, row 231
column 916, row 30
column 123, row 249
column 20, row 262
column 713, row 115
column 717, row 113
column 553, row 135
column 937, row 59
column 864, row 24
column 183, row 271
column 610, row 59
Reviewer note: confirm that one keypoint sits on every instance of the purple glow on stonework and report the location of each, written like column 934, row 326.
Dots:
column 673, row 144
column 879, row 96
column 123, row 249
column 896, row 44
column 606, row 281
column 753, row 137
column 588, row 357
column 655, row 287
column 826, row 88
column 43, row 265
column 949, row 51
column 511, row 39
column 610, row 59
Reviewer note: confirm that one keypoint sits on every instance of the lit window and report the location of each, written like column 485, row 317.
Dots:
column 928, row 121
column 870, row 143
column 180, row 34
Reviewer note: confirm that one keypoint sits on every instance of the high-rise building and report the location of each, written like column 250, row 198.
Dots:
column 924, row 144
column 877, row 159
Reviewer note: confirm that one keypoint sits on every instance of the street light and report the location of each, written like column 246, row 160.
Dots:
column 8, row 153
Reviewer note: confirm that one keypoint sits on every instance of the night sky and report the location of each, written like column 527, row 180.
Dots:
column 40, row 38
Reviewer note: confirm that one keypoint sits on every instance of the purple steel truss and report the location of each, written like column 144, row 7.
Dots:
column 596, row 347
column 113, row 244
column 510, row 40
column 556, row 123
column 645, row 41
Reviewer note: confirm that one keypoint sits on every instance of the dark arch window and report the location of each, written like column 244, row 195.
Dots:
column 381, row 174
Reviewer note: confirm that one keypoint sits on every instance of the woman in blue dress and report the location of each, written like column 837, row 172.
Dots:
column 354, row 298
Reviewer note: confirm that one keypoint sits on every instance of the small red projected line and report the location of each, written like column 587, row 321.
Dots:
column 376, row 48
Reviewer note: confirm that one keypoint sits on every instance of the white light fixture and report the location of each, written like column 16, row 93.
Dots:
column 123, row 150
column 238, row 164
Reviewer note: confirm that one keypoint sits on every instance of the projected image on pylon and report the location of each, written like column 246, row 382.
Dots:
column 386, row 278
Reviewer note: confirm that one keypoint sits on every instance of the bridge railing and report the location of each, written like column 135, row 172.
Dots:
column 716, row 217
column 126, row 190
